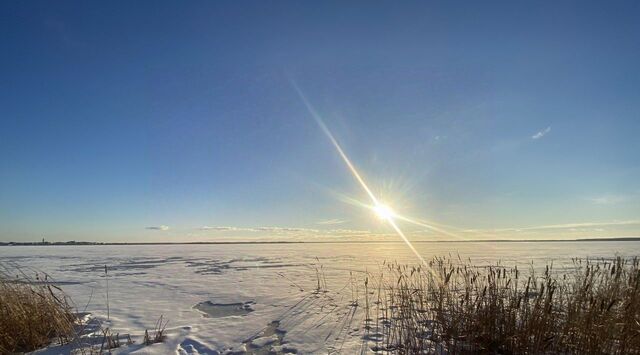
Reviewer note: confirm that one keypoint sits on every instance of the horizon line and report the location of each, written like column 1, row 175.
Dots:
column 80, row 243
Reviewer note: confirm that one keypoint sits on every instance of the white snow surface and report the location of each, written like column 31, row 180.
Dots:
column 262, row 298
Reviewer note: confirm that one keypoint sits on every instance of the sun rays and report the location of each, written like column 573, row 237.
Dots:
column 382, row 210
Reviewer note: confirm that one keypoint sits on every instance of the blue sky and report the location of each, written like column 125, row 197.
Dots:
column 151, row 120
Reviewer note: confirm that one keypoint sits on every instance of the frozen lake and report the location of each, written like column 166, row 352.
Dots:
column 255, row 297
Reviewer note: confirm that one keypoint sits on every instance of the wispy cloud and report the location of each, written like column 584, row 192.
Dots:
column 607, row 199
column 541, row 133
column 331, row 222
column 256, row 229
column 570, row 225
column 587, row 229
column 158, row 228
column 285, row 230
column 224, row 228
column 349, row 231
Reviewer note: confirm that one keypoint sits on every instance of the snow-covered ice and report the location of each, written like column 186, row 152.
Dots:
column 250, row 298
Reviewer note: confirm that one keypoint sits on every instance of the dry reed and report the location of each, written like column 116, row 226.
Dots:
column 157, row 331
column 33, row 312
column 452, row 306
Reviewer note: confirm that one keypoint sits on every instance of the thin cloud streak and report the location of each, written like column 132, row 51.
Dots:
column 158, row 228
column 564, row 226
column 331, row 222
column 283, row 230
column 224, row 228
column 541, row 133
column 607, row 199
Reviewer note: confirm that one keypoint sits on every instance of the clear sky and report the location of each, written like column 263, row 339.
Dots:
column 176, row 121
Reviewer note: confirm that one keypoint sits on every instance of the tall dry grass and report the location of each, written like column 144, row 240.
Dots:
column 33, row 312
column 590, row 308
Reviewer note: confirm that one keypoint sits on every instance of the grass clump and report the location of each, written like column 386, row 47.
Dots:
column 451, row 305
column 157, row 334
column 33, row 312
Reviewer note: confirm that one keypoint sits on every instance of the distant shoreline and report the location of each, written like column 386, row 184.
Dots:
column 77, row 243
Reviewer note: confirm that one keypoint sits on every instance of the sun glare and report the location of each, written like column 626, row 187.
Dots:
column 383, row 212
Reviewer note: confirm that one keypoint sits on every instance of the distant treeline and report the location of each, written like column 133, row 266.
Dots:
column 73, row 242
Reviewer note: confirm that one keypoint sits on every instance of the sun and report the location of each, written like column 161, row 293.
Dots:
column 383, row 212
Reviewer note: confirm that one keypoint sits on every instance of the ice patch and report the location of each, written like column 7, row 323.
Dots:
column 219, row 310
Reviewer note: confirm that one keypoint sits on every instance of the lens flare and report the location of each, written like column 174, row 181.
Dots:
column 380, row 209
column 384, row 212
